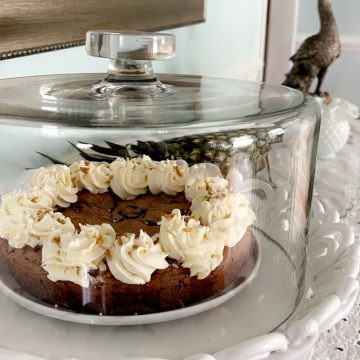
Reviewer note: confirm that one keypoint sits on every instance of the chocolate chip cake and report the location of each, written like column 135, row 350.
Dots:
column 157, row 236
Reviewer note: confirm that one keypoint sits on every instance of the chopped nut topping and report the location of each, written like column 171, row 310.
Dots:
column 34, row 199
column 61, row 221
column 188, row 229
column 57, row 239
column 84, row 169
column 208, row 186
column 41, row 213
column 169, row 216
column 108, row 254
column 100, row 240
column 178, row 172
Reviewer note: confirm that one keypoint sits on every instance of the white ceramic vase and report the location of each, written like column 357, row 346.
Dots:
column 335, row 127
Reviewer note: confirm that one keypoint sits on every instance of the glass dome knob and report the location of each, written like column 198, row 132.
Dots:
column 131, row 45
column 130, row 55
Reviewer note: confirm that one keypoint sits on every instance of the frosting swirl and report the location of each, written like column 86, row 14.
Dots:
column 130, row 177
column 27, row 218
column 92, row 176
column 35, row 198
column 17, row 226
column 56, row 180
column 47, row 223
column 10, row 202
column 172, row 234
column 192, row 244
column 205, row 181
column 70, row 256
column 227, row 217
column 41, row 198
column 133, row 260
column 204, row 256
column 168, row 177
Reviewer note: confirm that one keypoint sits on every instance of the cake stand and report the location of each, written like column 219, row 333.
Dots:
column 337, row 182
column 332, row 288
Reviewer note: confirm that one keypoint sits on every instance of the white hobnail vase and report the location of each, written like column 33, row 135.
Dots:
column 335, row 127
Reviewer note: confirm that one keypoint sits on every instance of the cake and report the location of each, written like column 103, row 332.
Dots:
column 131, row 237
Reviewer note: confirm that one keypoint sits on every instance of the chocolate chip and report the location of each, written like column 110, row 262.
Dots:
column 94, row 272
column 75, row 208
column 150, row 223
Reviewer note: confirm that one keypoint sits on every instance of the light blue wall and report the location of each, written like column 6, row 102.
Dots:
column 347, row 14
column 229, row 43
column 343, row 78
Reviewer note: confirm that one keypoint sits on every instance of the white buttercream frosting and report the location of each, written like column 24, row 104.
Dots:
column 205, row 181
column 16, row 226
column 35, row 199
column 205, row 256
column 56, row 178
column 132, row 260
column 69, row 256
column 11, row 201
column 16, row 220
column 191, row 243
column 130, row 177
column 173, row 236
column 168, row 177
column 93, row 176
column 27, row 218
column 46, row 224
column 228, row 217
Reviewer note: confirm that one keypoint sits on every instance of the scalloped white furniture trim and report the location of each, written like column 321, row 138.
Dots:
column 333, row 265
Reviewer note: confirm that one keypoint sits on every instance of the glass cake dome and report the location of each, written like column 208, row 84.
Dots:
column 173, row 203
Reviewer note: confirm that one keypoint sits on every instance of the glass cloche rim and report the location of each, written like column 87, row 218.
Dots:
column 15, row 110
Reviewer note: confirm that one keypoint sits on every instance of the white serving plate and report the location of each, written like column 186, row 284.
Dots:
column 9, row 287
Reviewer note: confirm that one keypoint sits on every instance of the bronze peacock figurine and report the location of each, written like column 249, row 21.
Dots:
column 316, row 53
